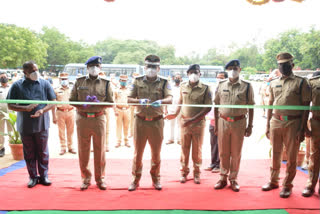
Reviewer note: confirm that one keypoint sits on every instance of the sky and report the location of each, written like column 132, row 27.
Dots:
column 188, row 25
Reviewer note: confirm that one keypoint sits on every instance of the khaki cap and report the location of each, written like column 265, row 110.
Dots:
column 284, row 57
column 63, row 75
column 123, row 77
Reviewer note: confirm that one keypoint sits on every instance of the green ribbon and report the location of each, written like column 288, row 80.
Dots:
column 282, row 107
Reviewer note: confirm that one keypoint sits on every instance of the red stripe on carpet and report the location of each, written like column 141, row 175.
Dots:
column 65, row 194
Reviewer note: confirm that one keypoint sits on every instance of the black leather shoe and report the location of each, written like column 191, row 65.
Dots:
column 197, row 180
column 133, row 186
column 157, row 186
column 32, row 182
column 235, row 186
column 285, row 192
column 2, row 152
column 102, row 186
column 307, row 192
column 183, row 179
column 45, row 181
column 72, row 151
column 84, row 186
column 220, row 184
column 269, row 186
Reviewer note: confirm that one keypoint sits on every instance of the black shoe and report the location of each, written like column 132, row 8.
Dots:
column 157, row 186
column 133, row 186
column 235, row 186
column 2, row 152
column 285, row 192
column 84, row 186
column 102, row 186
column 269, row 186
column 307, row 192
column 32, row 182
column 220, row 184
column 44, row 181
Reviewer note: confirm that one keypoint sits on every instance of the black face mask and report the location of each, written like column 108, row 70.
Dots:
column 3, row 79
column 177, row 81
column 285, row 68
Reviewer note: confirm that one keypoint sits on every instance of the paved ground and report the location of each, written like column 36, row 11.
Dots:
column 253, row 148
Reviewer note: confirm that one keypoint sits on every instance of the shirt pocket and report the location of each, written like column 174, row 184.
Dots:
column 83, row 92
column 277, row 91
column 142, row 91
column 225, row 96
column 60, row 95
column 241, row 98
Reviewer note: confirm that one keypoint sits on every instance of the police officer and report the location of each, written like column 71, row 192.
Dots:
column 286, row 127
column 33, row 121
column 4, row 88
column 314, row 133
column 91, row 122
column 150, row 91
column 192, row 121
column 122, row 111
column 64, row 115
column 231, row 123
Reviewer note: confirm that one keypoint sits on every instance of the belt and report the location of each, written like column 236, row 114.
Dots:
column 65, row 109
column 286, row 118
column 123, row 108
column 150, row 118
column 233, row 119
column 316, row 117
column 91, row 114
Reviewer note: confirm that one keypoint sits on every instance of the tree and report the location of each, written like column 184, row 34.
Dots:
column 310, row 50
column 18, row 45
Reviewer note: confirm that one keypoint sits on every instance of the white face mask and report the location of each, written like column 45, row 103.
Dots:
column 64, row 82
column 34, row 75
column 94, row 71
column 193, row 78
column 233, row 74
column 151, row 72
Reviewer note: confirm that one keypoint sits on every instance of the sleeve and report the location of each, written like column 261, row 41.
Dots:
column 251, row 95
column 109, row 94
column 306, row 91
column 167, row 90
column 50, row 92
column 270, row 91
column 133, row 90
column 13, row 93
column 74, row 92
column 208, row 96
column 217, row 96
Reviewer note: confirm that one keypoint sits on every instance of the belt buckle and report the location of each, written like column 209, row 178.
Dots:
column 284, row 118
column 230, row 119
column 148, row 119
column 90, row 115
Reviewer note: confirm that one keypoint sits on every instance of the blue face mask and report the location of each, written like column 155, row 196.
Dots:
column 123, row 83
column 64, row 82
column 268, row 83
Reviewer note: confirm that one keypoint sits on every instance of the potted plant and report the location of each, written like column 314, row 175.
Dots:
column 15, row 142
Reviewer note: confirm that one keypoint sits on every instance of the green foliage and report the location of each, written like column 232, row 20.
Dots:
column 14, row 135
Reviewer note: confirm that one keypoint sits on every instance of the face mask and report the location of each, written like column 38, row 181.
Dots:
column 123, row 83
column 151, row 72
column 94, row 71
column 64, row 82
column 285, row 69
column 194, row 78
column 34, row 76
column 233, row 74
column 177, row 81
column 3, row 79
column 268, row 83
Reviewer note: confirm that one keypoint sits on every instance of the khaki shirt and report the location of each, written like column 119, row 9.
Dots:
column 199, row 94
column 156, row 90
column 3, row 96
column 121, row 96
column 315, row 87
column 238, row 93
column 293, row 90
column 85, row 86
column 63, row 94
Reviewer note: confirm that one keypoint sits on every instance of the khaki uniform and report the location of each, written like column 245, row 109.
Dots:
column 3, row 107
column 145, row 128
column 231, row 133
column 293, row 90
column 107, row 114
column 123, row 118
column 131, row 121
column 193, row 134
column 92, row 126
column 65, row 117
column 314, row 164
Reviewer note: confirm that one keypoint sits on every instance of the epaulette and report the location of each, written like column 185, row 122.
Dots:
column 245, row 81
column 299, row 76
column 314, row 78
column 140, row 77
column 222, row 81
column 274, row 79
column 78, row 78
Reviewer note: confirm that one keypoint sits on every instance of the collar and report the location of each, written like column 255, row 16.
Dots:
column 237, row 82
column 199, row 85
column 88, row 78
column 145, row 78
column 24, row 79
column 291, row 76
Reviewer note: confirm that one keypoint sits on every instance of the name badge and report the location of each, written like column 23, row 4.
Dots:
column 225, row 90
column 83, row 88
column 278, row 86
column 317, row 88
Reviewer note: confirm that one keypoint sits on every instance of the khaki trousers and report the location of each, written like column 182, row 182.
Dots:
column 151, row 131
column 123, row 120
column 65, row 121
column 107, row 128
column 192, row 136
column 283, row 133
column 230, row 141
column 3, row 123
column 314, row 164
column 132, row 108
column 94, row 128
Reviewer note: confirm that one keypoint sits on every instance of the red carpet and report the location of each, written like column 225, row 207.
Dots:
column 65, row 194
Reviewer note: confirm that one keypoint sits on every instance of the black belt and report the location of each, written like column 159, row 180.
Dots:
column 150, row 118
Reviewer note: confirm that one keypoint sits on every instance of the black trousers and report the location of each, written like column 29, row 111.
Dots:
column 215, row 160
column 36, row 153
